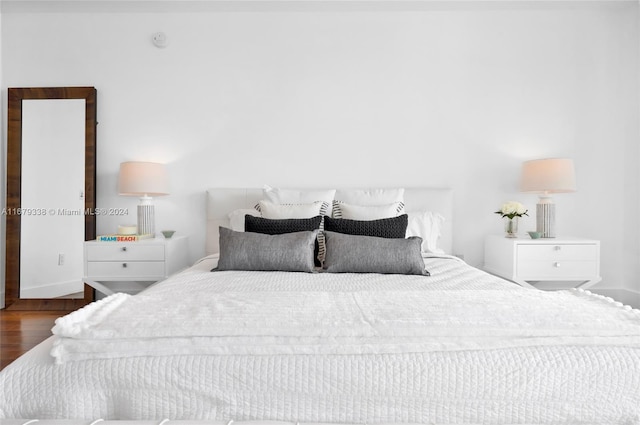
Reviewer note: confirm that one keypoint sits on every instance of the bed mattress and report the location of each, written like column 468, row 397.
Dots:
column 576, row 359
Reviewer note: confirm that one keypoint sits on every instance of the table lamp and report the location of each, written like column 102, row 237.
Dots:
column 546, row 177
column 143, row 179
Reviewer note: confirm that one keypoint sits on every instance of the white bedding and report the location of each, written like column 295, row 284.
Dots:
column 329, row 313
column 459, row 346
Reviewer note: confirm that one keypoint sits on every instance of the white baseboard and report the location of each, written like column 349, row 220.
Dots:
column 53, row 290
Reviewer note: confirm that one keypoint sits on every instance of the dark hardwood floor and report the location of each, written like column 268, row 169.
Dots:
column 21, row 330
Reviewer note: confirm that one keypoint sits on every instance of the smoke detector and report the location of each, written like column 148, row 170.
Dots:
column 160, row 40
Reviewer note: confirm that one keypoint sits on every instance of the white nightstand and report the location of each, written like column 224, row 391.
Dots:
column 117, row 265
column 525, row 261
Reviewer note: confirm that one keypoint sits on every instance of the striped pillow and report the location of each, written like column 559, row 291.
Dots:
column 367, row 212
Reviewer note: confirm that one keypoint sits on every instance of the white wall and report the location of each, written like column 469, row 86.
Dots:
column 360, row 94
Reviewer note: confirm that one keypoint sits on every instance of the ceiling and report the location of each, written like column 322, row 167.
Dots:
column 189, row 6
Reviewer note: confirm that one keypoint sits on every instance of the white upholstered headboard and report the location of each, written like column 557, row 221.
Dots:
column 221, row 201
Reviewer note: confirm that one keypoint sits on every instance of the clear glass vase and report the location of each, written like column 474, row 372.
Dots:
column 511, row 227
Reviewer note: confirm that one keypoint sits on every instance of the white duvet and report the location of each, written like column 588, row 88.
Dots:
column 328, row 313
column 460, row 346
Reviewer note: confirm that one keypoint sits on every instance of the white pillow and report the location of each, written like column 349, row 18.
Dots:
column 281, row 211
column 295, row 196
column 428, row 226
column 367, row 212
column 236, row 218
column 370, row 196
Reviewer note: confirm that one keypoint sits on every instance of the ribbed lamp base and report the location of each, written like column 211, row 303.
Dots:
column 146, row 220
column 546, row 220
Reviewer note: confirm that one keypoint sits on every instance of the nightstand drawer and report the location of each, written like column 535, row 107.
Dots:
column 122, row 266
column 557, row 252
column 121, row 269
column 526, row 261
column 125, row 252
column 550, row 270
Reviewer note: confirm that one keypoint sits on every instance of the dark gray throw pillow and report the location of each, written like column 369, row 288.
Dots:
column 291, row 252
column 369, row 254
column 280, row 226
column 393, row 227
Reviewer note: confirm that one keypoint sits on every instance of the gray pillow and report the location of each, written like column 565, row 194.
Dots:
column 369, row 254
column 292, row 252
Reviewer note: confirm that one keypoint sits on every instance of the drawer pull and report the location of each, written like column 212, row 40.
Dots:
column 124, row 265
column 557, row 247
column 124, row 249
column 556, row 265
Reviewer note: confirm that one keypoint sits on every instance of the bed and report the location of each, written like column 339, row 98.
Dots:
column 456, row 345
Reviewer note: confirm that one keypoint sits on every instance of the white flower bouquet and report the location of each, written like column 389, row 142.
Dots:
column 512, row 209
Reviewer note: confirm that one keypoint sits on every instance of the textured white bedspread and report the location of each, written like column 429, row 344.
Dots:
column 460, row 346
column 328, row 313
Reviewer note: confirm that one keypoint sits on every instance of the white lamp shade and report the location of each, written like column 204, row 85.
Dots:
column 143, row 178
column 553, row 175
